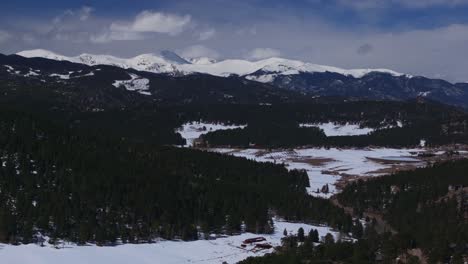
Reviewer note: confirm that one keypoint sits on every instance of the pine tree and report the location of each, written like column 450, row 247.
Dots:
column 300, row 234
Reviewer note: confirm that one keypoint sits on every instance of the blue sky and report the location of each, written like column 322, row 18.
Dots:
column 426, row 37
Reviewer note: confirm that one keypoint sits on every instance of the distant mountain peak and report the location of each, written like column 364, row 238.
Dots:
column 202, row 60
column 173, row 57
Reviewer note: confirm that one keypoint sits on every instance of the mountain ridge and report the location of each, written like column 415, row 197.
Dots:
column 170, row 62
column 170, row 83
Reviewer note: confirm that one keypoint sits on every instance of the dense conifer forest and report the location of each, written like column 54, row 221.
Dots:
column 93, row 188
column 397, row 124
column 427, row 210
column 284, row 135
column 114, row 174
column 427, row 207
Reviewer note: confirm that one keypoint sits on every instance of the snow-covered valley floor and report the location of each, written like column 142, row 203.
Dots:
column 329, row 166
column 326, row 168
column 216, row 251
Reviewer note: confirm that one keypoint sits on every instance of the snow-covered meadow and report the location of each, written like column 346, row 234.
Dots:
column 327, row 166
column 333, row 129
column 193, row 130
column 216, row 251
column 323, row 166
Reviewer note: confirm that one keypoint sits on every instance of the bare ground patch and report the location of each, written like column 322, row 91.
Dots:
column 312, row 161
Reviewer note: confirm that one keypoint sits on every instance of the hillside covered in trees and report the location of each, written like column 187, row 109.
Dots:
column 93, row 188
column 395, row 124
column 426, row 209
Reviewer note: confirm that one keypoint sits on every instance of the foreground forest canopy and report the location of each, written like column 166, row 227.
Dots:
column 100, row 189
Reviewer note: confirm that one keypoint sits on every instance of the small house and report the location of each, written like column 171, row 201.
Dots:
column 254, row 240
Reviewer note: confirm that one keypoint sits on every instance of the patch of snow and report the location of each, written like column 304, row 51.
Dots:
column 85, row 75
column 422, row 143
column 424, row 94
column 332, row 129
column 31, row 73
column 9, row 68
column 61, row 76
column 144, row 93
column 193, row 130
column 266, row 78
column 136, row 83
column 165, row 252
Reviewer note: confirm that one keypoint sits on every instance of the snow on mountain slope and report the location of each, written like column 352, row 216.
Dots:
column 40, row 53
column 136, row 83
column 169, row 62
column 274, row 65
column 164, row 63
column 202, row 60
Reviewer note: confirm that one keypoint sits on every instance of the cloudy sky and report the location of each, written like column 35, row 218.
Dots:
column 421, row 37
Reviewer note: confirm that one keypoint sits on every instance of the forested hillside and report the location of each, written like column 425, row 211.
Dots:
column 427, row 214
column 100, row 188
column 396, row 124
column 427, row 207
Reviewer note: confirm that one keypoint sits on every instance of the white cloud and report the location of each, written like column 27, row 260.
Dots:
column 82, row 14
column 142, row 26
column 154, row 22
column 85, row 13
column 110, row 36
column 198, row 51
column 29, row 39
column 207, row 34
column 4, row 36
column 263, row 53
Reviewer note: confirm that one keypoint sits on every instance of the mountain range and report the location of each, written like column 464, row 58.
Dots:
column 153, row 75
column 170, row 62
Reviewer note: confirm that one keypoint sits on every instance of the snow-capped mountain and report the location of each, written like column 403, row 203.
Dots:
column 170, row 62
column 165, row 62
column 264, row 81
column 201, row 60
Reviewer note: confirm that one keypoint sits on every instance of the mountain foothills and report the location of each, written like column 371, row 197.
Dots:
column 90, row 153
column 308, row 78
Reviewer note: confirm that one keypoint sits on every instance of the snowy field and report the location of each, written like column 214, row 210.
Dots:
column 328, row 166
column 165, row 252
column 332, row 129
column 193, row 130
column 325, row 167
